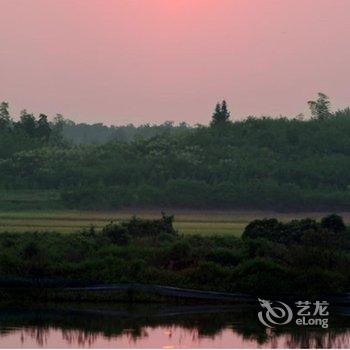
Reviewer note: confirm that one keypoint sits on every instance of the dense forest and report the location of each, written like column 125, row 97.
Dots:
column 256, row 163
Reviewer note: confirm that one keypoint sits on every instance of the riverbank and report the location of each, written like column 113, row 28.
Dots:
column 301, row 257
column 135, row 293
column 121, row 292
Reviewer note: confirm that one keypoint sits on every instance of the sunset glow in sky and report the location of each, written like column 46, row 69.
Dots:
column 120, row 61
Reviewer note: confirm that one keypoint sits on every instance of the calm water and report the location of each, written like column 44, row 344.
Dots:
column 117, row 326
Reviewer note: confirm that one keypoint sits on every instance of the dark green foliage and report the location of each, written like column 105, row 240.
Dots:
column 333, row 223
column 296, row 231
column 35, row 259
column 90, row 232
column 98, row 133
column 316, row 263
column 307, row 250
column 166, row 237
column 43, row 129
column 320, row 107
column 262, row 276
column 136, row 227
column 5, row 119
column 28, row 123
column 30, row 251
column 225, row 256
column 221, row 114
column 27, row 134
column 264, row 248
column 208, row 274
column 312, row 280
column 280, row 164
column 91, row 197
column 293, row 231
column 117, row 234
column 179, row 256
column 275, row 164
column 266, row 228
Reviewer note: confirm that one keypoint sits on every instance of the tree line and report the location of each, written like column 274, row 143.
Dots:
column 256, row 163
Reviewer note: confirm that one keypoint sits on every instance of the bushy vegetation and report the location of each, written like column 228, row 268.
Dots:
column 258, row 163
column 298, row 257
column 99, row 133
column 121, row 233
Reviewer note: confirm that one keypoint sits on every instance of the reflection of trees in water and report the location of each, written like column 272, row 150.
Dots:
column 86, row 326
column 42, row 334
column 82, row 338
column 302, row 339
column 311, row 339
column 39, row 334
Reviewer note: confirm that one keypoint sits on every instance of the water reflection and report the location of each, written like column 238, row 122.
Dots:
column 106, row 326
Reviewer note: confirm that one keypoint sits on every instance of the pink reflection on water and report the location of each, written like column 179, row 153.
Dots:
column 166, row 337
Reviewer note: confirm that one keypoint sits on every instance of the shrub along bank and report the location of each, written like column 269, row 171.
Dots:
column 298, row 257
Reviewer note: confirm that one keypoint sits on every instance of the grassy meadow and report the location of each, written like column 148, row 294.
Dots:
column 33, row 210
column 186, row 221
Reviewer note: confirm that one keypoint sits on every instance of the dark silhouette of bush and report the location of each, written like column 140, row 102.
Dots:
column 225, row 256
column 34, row 260
column 296, row 257
column 333, row 223
column 138, row 227
column 209, row 274
column 116, row 233
column 89, row 232
column 265, row 228
column 323, row 239
column 30, row 251
column 264, row 248
column 121, row 233
column 292, row 232
column 314, row 279
column 314, row 255
column 262, row 276
column 180, row 255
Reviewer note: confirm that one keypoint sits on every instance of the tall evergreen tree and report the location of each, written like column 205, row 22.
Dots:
column 216, row 115
column 224, row 111
column 5, row 119
column 320, row 108
column 221, row 114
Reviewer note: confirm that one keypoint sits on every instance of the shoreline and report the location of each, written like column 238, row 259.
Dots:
column 148, row 293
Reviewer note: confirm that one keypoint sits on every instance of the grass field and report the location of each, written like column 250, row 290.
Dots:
column 187, row 222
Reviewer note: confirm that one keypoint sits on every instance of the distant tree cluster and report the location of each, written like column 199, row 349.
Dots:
column 99, row 133
column 27, row 133
column 39, row 128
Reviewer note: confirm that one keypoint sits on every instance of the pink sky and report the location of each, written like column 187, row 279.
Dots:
column 118, row 61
